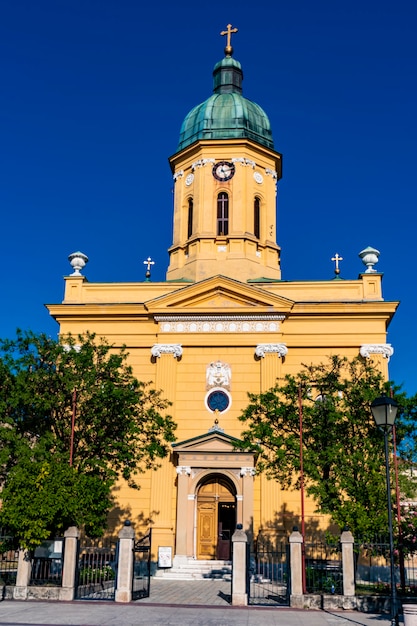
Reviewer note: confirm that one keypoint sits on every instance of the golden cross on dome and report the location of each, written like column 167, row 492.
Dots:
column 228, row 49
column 336, row 259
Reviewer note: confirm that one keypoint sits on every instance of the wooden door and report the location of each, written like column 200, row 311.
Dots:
column 214, row 522
column 207, row 530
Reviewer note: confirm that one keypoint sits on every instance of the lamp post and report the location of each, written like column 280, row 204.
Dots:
column 384, row 411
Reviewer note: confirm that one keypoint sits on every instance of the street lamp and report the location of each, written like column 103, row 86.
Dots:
column 384, row 411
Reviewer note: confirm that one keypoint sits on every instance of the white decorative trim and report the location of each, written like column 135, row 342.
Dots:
column 178, row 174
column 247, row 471
column 267, row 348
column 167, row 348
column 221, row 248
column 244, row 161
column 272, row 173
column 191, row 496
column 183, row 470
column 219, row 323
column 239, row 498
column 202, row 163
column 385, row 349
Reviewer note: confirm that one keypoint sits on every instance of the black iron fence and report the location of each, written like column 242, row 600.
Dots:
column 268, row 574
column 8, row 560
column 323, row 567
column 373, row 568
column 47, row 563
column 97, row 570
column 141, row 579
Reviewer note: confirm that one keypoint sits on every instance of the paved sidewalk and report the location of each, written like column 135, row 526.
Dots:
column 83, row 613
column 175, row 603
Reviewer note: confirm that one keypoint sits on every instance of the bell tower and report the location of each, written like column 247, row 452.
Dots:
column 226, row 172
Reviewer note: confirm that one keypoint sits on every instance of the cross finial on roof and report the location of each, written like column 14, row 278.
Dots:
column 149, row 263
column 336, row 259
column 228, row 49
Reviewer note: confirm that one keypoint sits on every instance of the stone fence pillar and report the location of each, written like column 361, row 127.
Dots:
column 239, row 591
column 69, row 569
column 125, row 565
column 347, row 541
column 24, row 571
column 296, row 568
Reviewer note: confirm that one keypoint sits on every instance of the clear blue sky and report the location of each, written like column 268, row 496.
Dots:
column 93, row 93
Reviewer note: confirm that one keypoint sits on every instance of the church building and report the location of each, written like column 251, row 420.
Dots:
column 224, row 323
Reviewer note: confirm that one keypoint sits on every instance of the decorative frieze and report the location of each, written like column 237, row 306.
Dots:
column 159, row 349
column 220, row 324
column 267, row 348
column 385, row 349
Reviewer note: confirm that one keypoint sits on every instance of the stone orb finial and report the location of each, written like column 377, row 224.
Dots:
column 78, row 261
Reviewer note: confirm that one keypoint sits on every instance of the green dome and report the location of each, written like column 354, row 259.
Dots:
column 226, row 114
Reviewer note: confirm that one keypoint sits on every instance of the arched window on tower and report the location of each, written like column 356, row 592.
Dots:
column 257, row 218
column 222, row 214
column 190, row 217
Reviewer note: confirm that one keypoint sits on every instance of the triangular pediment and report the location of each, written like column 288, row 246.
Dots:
column 213, row 441
column 220, row 295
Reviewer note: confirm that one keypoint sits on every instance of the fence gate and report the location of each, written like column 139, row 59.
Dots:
column 141, row 580
column 268, row 575
column 97, row 570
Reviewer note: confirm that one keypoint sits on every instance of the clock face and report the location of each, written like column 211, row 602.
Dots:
column 223, row 170
column 218, row 400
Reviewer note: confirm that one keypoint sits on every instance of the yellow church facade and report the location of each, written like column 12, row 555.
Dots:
column 223, row 324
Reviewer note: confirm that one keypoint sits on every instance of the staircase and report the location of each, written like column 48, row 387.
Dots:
column 197, row 570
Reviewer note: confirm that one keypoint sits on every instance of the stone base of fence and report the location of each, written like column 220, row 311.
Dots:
column 35, row 592
column 330, row 602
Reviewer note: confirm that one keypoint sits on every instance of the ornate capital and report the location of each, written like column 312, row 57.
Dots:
column 167, row 348
column 247, row 471
column 183, row 470
column 267, row 348
column 385, row 349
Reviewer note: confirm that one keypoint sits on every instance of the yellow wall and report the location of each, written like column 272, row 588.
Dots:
column 317, row 319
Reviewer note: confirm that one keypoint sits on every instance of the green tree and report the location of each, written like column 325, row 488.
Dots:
column 343, row 451
column 73, row 420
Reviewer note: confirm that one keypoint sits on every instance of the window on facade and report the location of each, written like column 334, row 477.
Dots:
column 257, row 218
column 190, row 218
column 222, row 214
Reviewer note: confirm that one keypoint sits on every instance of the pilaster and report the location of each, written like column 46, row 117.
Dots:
column 162, row 481
column 270, row 355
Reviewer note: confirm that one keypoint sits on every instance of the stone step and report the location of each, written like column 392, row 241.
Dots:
column 197, row 570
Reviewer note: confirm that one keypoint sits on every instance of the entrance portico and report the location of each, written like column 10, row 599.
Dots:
column 214, row 493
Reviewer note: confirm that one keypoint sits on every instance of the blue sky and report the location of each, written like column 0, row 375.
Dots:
column 93, row 93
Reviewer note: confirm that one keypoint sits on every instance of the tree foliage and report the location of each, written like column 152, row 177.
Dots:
column 342, row 450
column 73, row 419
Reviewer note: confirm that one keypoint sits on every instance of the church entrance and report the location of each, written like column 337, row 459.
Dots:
column 216, row 518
